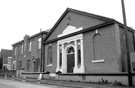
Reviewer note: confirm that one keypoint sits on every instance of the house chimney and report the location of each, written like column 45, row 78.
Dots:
column 40, row 29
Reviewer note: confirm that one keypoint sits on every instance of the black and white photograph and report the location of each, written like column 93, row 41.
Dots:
column 67, row 44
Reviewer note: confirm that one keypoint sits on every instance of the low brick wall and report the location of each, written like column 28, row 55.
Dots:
column 8, row 73
column 105, row 78
column 30, row 74
column 112, row 78
column 35, row 75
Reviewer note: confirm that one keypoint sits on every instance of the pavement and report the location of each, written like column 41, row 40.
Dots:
column 69, row 84
column 6, row 86
column 6, row 83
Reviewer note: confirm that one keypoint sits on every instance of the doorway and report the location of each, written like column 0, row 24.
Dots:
column 70, row 60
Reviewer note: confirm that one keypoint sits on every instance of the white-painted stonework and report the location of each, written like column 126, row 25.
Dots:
column 70, row 29
column 63, row 46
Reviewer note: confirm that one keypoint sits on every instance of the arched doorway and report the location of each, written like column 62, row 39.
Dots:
column 70, row 59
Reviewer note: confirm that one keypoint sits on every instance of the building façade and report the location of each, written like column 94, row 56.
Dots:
column 81, row 47
column 27, row 56
column 95, row 44
column 5, row 59
column 86, row 43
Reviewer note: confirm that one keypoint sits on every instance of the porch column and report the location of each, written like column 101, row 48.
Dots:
column 75, row 68
column 82, row 68
column 57, row 69
column 63, row 60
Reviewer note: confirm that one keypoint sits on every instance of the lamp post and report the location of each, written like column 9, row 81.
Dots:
column 127, row 47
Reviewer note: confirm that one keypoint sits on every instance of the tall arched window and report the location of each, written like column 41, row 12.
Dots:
column 49, row 58
column 78, row 52
column 97, row 48
column 60, row 56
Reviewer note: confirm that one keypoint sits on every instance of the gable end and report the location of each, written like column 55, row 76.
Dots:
column 78, row 12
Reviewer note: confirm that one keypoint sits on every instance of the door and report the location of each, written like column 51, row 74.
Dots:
column 70, row 60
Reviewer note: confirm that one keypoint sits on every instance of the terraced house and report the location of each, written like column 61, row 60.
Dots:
column 27, row 56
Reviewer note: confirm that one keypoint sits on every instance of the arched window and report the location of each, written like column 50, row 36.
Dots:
column 49, row 58
column 97, row 48
column 78, row 52
column 60, row 56
column 71, row 50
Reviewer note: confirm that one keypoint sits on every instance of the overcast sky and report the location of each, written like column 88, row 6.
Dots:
column 20, row 17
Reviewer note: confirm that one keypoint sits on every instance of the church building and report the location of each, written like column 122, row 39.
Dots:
column 82, row 42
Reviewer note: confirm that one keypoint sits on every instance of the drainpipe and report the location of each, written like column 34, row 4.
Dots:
column 41, row 61
column 42, row 54
column 43, row 57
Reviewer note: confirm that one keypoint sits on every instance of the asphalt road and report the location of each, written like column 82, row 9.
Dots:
column 19, row 84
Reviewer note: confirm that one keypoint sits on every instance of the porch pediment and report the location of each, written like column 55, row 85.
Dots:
column 69, row 29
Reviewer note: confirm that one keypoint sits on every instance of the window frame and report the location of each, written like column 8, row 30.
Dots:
column 39, row 43
column 49, row 56
column 15, row 52
column 22, row 48
column 60, row 55
column 96, row 60
column 30, row 45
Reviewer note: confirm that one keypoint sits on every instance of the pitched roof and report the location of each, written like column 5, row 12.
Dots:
column 82, row 31
column 33, row 36
column 90, row 29
column 78, row 12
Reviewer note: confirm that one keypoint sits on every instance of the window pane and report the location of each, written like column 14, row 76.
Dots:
column 60, row 59
column 22, row 49
column 79, row 56
column 78, row 52
column 15, row 51
column 39, row 43
column 71, row 50
column 24, row 46
column 30, row 46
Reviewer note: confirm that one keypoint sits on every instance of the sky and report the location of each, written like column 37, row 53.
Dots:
column 21, row 17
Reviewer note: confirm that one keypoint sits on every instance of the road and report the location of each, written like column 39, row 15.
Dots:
column 19, row 84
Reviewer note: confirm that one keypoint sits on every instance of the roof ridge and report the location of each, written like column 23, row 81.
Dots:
column 90, row 14
column 30, row 37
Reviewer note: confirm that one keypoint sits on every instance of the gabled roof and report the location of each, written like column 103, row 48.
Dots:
column 33, row 36
column 82, row 31
column 78, row 12
column 122, row 25
column 91, row 29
